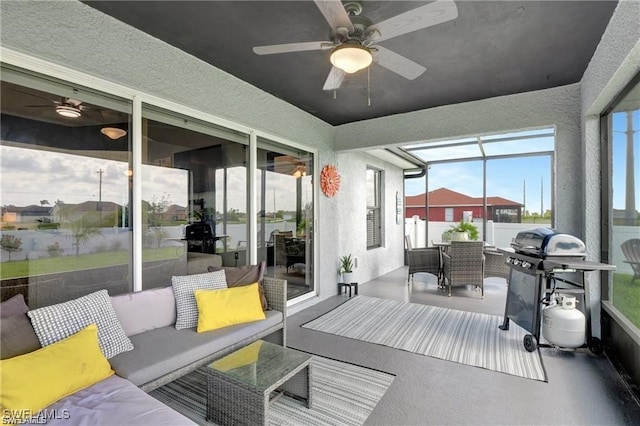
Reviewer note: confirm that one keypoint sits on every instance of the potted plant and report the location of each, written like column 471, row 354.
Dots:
column 461, row 232
column 346, row 268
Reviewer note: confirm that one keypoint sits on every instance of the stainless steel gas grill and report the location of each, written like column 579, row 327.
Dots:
column 545, row 262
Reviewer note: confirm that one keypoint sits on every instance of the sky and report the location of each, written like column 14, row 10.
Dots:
column 28, row 177
column 521, row 179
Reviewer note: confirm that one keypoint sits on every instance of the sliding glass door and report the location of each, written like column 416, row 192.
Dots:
column 285, row 214
column 194, row 196
column 65, row 190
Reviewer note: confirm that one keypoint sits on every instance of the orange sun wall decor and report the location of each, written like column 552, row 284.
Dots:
column 329, row 180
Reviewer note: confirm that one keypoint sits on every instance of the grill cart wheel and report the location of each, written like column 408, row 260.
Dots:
column 595, row 345
column 530, row 343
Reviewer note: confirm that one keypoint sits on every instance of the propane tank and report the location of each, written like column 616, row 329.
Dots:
column 562, row 324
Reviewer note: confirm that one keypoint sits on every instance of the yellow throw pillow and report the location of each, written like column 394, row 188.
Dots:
column 229, row 306
column 35, row 380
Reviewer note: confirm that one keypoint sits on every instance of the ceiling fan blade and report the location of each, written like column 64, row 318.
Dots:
column 334, row 79
column 292, row 47
column 398, row 63
column 422, row 17
column 33, row 94
column 39, row 106
column 335, row 14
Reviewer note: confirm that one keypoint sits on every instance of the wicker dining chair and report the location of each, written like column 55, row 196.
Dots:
column 463, row 264
column 495, row 266
column 426, row 260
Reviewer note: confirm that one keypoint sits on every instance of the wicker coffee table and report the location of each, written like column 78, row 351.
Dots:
column 241, row 385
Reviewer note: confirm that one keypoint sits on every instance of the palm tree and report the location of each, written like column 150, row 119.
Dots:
column 82, row 230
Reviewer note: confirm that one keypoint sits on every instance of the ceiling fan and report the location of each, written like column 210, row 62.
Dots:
column 354, row 38
column 65, row 107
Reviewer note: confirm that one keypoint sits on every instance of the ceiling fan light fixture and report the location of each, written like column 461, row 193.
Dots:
column 68, row 111
column 351, row 57
column 113, row 132
column 299, row 171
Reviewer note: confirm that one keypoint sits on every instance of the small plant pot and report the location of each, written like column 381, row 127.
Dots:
column 459, row 236
column 347, row 277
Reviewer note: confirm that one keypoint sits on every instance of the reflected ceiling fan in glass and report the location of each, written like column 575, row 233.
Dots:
column 354, row 38
column 113, row 132
column 299, row 171
column 64, row 107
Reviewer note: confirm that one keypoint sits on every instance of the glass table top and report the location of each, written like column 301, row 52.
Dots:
column 260, row 364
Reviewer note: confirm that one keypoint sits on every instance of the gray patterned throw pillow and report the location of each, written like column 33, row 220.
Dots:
column 56, row 322
column 183, row 290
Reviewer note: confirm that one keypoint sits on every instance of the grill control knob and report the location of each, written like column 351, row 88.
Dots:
column 526, row 264
column 516, row 262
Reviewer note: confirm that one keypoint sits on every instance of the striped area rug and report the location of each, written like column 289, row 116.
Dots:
column 344, row 394
column 458, row 336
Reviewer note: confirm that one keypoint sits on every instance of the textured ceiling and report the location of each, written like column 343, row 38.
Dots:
column 492, row 48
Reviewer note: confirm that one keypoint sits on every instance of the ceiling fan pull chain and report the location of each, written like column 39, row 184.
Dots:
column 368, row 86
column 334, row 93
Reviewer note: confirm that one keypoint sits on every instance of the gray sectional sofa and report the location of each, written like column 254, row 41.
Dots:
column 161, row 354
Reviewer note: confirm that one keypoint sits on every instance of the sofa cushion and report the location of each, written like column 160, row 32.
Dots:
column 163, row 350
column 245, row 275
column 222, row 308
column 183, row 290
column 35, row 380
column 145, row 310
column 13, row 306
column 16, row 333
column 55, row 322
column 114, row 401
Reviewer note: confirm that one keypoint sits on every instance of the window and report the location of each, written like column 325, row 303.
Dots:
column 194, row 196
column 73, row 220
column 374, row 208
column 622, row 147
column 448, row 214
column 65, row 189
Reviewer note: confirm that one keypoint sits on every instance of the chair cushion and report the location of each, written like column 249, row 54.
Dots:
column 145, row 310
column 114, row 401
column 163, row 350
column 183, row 290
column 56, row 322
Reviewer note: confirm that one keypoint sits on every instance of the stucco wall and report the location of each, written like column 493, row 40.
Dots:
column 351, row 210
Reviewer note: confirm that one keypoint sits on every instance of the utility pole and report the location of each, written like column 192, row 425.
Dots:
column 541, row 197
column 630, row 213
column 99, row 207
column 524, row 198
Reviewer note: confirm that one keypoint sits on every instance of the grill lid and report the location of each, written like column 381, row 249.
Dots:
column 543, row 242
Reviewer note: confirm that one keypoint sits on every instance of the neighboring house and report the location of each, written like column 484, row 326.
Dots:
column 446, row 205
column 28, row 214
column 63, row 212
column 175, row 212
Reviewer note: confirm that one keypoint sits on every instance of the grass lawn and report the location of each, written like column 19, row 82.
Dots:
column 626, row 297
column 50, row 265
